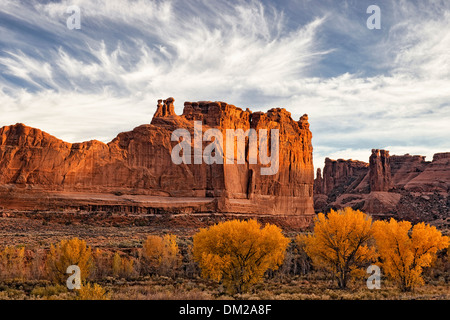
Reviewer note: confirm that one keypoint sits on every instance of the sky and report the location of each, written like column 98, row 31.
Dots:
column 362, row 88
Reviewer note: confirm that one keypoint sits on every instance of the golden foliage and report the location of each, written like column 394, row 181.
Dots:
column 162, row 253
column 116, row 264
column 340, row 243
column 67, row 253
column 404, row 254
column 239, row 252
column 12, row 262
column 122, row 266
column 102, row 260
column 92, row 292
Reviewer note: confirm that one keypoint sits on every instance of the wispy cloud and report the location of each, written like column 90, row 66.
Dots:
column 195, row 50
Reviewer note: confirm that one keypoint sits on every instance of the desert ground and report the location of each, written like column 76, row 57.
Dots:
column 296, row 279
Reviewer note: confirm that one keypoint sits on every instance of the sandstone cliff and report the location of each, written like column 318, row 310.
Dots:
column 403, row 186
column 36, row 165
column 379, row 171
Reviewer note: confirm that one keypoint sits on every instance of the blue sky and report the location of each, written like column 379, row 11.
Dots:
column 361, row 88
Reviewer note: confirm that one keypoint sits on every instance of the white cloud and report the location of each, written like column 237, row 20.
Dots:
column 116, row 10
column 225, row 54
column 64, row 115
column 26, row 68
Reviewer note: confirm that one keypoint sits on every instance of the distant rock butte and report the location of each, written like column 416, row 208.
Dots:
column 379, row 171
column 405, row 186
column 39, row 171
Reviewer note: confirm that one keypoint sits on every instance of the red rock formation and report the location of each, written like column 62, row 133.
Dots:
column 405, row 168
column 165, row 109
column 293, row 183
column 339, row 176
column 342, row 172
column 318, row 182
column 441, row 156
column 139, row 163
column 435, row 176
column 379, row 171
column 404, row 186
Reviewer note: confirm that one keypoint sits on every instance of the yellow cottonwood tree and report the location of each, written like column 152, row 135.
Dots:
column 116, row 264
column 162, row 253
column 122, row 266
column 239, row 252
column 67, row 253
column 12, row 262
column 340, row 243
column 405, row 253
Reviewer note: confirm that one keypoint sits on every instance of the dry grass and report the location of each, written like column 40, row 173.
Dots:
column 163, row 288
column 295, row 280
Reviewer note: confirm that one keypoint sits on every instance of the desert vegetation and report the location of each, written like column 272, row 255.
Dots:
column 340, row 243
column 238, row 253
column 241, row 259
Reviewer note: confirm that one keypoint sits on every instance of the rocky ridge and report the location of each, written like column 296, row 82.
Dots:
column 38, row 170
column 406, row 187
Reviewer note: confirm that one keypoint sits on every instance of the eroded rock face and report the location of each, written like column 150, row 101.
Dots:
column 435, row 176
column 318, row 182
column 339, row 177
column 342, row 173
column 403, row 186
column 405, row 168
column 165, row 108
column 379, row 171
column 139, row 162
